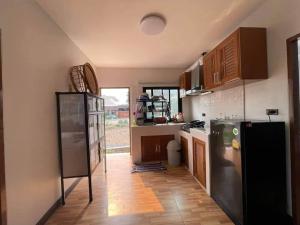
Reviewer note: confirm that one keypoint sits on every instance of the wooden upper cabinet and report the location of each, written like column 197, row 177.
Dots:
column 180, row 82
column 228, row 57
column 253, row 53
column 241, row 56
column 187, row 80
column 185, row 83
column 210, row 68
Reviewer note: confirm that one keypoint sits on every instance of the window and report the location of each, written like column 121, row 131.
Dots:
column 169, row 93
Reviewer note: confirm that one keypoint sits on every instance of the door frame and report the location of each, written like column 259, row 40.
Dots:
column 3, row 218
column 129, row 104
column 294, row 109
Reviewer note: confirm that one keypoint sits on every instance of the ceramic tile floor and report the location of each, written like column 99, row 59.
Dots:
column 152, row 198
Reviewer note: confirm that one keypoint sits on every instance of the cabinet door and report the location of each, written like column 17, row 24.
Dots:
column 154, row 148
column 187, row 81
column 162, row 149
column 181, row 85
column 228, row 58
column 185, row 151
column 199, row 161
column 181, row 81
column 150, row 148
column 209, row 69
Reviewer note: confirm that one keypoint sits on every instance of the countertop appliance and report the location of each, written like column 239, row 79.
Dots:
column 248, row 171
column 193, row 124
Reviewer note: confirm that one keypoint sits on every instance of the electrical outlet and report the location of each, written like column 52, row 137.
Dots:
column 272, row 112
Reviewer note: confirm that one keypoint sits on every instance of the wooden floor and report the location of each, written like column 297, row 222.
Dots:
column 152, row 198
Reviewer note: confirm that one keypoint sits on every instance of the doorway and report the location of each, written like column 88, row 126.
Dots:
column 117, row 119
column 293, row 55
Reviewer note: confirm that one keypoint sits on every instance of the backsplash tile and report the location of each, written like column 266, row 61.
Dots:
column 220, row 104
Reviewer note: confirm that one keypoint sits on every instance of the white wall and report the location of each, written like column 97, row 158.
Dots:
column 135, row 79
column 37, row 56
column 282, row 20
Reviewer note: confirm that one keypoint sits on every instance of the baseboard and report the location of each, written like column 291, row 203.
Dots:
column 57, row 204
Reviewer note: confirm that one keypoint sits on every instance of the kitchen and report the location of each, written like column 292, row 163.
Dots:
column 235, row 79
column 205, row 82
column 238, row 60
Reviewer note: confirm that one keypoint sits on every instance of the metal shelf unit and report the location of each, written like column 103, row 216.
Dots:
column 81, row 135
column 152, row 104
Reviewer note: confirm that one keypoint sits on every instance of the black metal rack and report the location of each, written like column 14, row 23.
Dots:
column 81, row 135
column 151, row 103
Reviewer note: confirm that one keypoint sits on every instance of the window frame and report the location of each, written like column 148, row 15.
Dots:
column 169, row 89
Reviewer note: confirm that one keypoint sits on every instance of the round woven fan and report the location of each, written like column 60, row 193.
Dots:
column 78, row 79
column 84, row 79
column 90, row 79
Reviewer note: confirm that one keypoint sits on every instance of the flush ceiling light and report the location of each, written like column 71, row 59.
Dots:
column 153, row 24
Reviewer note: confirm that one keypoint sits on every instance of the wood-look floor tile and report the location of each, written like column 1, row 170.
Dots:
column 172, row 197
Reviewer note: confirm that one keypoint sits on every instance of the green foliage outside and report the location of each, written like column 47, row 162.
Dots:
column 116, row 123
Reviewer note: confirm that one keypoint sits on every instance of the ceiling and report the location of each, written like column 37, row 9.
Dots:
column 107, row 31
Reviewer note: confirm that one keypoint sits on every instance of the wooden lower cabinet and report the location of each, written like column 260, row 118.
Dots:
column 185, row 151
column 154, row 148
column 199, row 162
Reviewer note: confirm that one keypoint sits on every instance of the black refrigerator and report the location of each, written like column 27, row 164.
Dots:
column 248, row 171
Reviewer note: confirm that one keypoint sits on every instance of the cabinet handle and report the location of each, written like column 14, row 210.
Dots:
column 214, row 78
column 159, row 148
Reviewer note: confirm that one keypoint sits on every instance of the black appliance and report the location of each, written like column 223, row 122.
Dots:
column 193, row 124
column 248, row 171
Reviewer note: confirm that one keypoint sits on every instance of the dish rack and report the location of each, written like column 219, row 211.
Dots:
column 147, row 110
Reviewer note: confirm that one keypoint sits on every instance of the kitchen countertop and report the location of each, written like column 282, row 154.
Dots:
column 205, row 131
column 157, row 125
column 200, row 131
